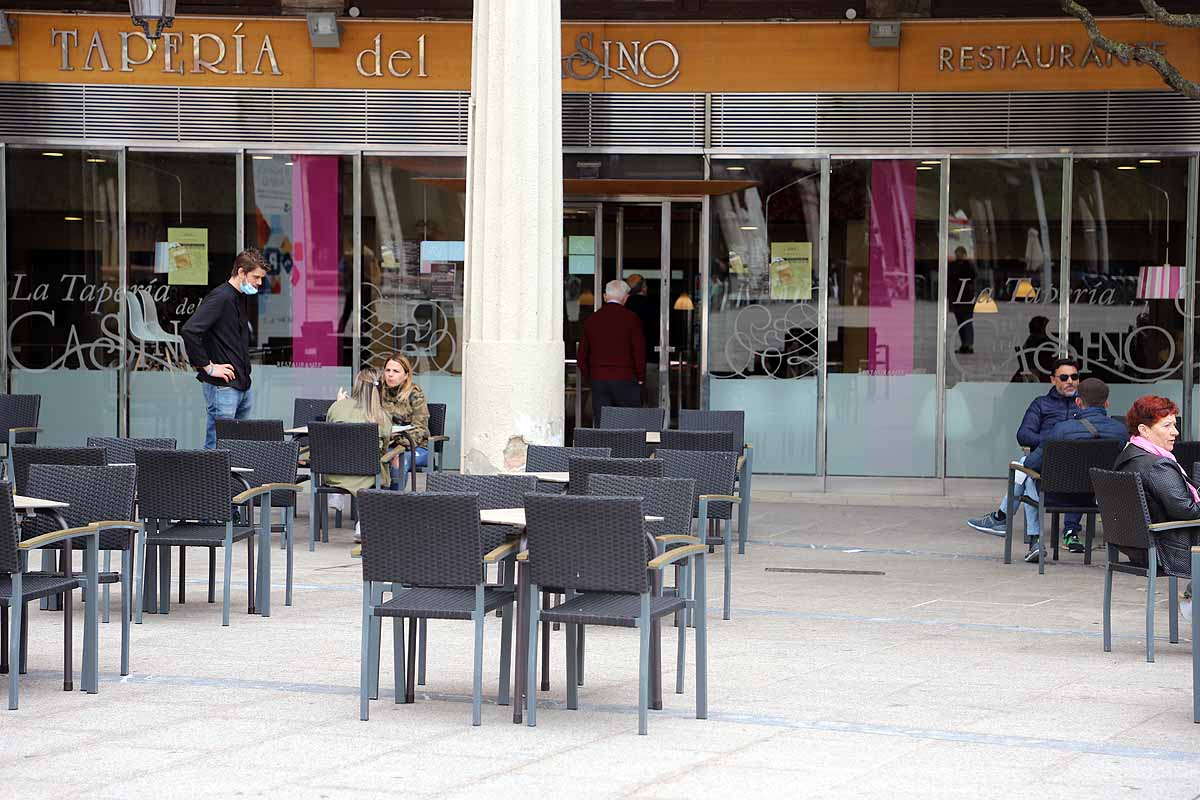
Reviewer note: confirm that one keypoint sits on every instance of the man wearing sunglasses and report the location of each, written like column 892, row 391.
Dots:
column 1057, row 405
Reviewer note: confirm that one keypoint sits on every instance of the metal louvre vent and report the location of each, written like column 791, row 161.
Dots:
column 1010, row 119
column 29, row 110
column 232, row 115
column 633, row 119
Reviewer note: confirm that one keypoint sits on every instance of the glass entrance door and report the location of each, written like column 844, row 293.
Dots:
column 654, row 246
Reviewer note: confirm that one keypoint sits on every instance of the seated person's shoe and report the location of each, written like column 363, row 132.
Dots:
column 1071, row 540
column 992, row 524
column 1035, row 548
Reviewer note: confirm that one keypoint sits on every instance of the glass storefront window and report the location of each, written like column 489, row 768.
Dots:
column 1128, row 237
column 1005, row 235
column 300, row 214
column 763, row 334
column 182, row 239
column 413, row 259
column 63, row 240
column 883, row 310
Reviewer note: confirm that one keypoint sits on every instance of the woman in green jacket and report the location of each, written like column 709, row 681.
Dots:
column 363, row 404
column 405, row 403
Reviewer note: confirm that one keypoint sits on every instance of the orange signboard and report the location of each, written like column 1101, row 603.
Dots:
column 1052, row 55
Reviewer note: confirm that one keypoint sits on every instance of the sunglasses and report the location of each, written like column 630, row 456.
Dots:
column 1074, row 376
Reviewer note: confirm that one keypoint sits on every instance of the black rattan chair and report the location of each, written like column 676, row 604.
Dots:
column 19, row 421
column 1122, row 502
column 623, row 443
column 648, row 419
column 273, row 463
column 672, row 499
column 306, row 410
column 338, row 448
column 714, row 474
column 258, row 430
column 546, row 458
column 720, row 441
column 1064, row 487
column 24, row 456
column 735, row 421
column 120, row 451
column 429, row 544
column 184, row 499
column 596, row 549
column 96, row 494
column 18, row 588
column 1188, row 455
column 579, row 468
column 437, row 435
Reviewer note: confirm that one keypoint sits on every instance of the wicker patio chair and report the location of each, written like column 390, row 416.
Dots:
column 1064, row 487
column 1122, row 502
column 120, row 451
column 338, row 448
column 648, row 419
column 437, row 435
column 101, row 496
column 714, row 473
column 548, row 458
column 424, row 549
column 18, row 587
column 623, row 442
column 24, row 456
column 596, row 549
column 19, row 421
column 579, row 468
column 184, row 499
column 735, row 421
column 272, row 462
column 259, row 430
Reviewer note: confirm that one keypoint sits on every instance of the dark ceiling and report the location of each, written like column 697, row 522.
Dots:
column 635, row 9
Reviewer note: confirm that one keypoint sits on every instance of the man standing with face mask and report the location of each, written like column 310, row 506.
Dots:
column 217, row 338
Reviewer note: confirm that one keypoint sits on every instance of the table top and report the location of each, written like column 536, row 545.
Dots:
column 240, row 470
column 653, row 437
column 516, row 517
column 303, row 430
column 23, row 503
column 552, row 477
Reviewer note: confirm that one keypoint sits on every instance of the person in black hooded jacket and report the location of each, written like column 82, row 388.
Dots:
column 1170, row 494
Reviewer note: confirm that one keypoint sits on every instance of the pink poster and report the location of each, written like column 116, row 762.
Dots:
column 893, row 266
column 316, row 257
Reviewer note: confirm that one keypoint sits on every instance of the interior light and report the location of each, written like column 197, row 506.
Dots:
column 1126, row 166
column 73, row 219
column 749, row 227
column 934, row 163
column 262, row 158
column 288, row 163
column 736, row 169
column 97, row 161
column 53, row 155
column 922, row 169
column 1150, row 161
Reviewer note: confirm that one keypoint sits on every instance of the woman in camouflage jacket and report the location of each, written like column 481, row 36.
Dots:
column 404, row 400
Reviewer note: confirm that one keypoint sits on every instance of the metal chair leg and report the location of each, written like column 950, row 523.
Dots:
column 182, row 572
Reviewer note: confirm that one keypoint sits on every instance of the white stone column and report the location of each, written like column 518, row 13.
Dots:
column 513, row 345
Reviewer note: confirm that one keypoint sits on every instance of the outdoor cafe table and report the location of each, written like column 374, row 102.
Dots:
column 303, row 430
column 515, row 517
column 552, row 477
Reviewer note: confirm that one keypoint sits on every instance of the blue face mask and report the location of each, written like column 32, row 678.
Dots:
column 248, row 288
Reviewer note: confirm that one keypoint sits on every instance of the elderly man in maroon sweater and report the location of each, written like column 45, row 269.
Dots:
column 612, row 352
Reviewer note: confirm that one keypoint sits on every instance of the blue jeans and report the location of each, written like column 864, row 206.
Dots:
column 400, row 473
column 1024, row 485
column 223, row 402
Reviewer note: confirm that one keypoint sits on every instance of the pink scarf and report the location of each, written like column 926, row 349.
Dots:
column 1150, row 447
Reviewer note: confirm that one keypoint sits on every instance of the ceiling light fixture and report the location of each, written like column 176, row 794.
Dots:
column 262, row 158
column 53, row 155
column 1150, row 161
column 736, row 169
column 97, row 161
column 73, row 219
column 749, row 227
column 1126, row 167
column 932, row 163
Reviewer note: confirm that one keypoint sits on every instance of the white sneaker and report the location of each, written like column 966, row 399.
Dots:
column 1185, row 609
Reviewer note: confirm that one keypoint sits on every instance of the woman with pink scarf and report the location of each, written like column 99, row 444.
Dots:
column 1171, row 495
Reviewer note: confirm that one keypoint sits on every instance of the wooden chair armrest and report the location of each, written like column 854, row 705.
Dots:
column 1171, row 526
column 390, row 454
column 671, row 556
column 25, row 430
column 56, row 536
column 741, row 463
column 110, row 524
column 439, row 438
column 1013, row 465
column 503, row 551
column 356, row 551
column 283, row 487
column 523, row 555
column 675, row 538
column 250, row 494
column 728, row 498
column 747, row 446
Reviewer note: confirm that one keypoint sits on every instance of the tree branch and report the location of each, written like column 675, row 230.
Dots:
column 1137, row 52
column 1160, row 14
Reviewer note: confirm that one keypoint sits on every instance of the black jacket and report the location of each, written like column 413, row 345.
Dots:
column 1168, row 500
column 219, row 332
